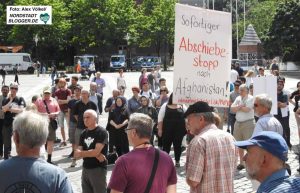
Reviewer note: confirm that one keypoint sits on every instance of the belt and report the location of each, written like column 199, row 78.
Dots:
column 245, row 121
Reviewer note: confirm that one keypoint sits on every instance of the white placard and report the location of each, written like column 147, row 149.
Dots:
column 266, row 85
column 202, row 56
column 29, row 15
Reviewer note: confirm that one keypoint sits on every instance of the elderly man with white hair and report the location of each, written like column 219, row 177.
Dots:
column 266, row 121
column 93, row 149
column 26, row 172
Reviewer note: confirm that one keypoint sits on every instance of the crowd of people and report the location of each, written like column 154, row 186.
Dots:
column 147, row 119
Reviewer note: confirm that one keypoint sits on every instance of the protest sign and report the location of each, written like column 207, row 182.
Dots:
column 202, row 56
column 266, row 85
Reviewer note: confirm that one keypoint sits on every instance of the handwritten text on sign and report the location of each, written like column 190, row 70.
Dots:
column 202, row 56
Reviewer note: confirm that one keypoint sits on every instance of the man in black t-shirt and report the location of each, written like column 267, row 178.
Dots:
column 11, row 106
column 93, row 149
column 80, row 107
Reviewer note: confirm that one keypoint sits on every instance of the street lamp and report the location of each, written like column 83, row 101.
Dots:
column 127, row 38
column 36, row 40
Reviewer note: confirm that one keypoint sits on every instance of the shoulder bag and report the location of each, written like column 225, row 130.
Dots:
column 154, row 168
column 53, row 122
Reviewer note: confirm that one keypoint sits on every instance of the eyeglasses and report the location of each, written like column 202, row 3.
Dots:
column 163, row 90
column 13, row 88
column 127, row 129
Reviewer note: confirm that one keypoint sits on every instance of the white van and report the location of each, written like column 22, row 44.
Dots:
column 10, row 60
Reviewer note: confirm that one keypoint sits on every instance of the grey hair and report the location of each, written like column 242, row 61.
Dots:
column 32, row 128
column 142, row 124
column 264, row 100
column 244, row 87
column 208, row 117
column 92, row 112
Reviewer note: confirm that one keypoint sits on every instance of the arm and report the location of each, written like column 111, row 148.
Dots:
column 192, row 183
column 113, row 124
column 114, row 191
column 171, row 188
column 79, row 153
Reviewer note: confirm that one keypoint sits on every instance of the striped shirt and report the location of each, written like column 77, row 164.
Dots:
column 280, row 182
column 211, row 161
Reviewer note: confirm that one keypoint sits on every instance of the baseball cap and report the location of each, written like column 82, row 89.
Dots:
column 270, row 141
column 47, row 91
column 14, row 85
column 198, row 107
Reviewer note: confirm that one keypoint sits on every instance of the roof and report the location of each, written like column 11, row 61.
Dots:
column 250, row 37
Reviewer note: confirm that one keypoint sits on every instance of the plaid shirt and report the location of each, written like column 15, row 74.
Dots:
column 211, row 161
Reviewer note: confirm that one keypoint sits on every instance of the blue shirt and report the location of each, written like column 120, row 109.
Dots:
column 23, row 174
column 280, row 182
column 267, row 122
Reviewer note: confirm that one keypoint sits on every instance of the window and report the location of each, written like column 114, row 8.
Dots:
column 26, row 58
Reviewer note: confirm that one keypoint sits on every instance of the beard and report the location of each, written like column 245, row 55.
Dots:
column 252, row 171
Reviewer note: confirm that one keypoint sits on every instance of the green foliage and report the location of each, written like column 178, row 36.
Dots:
column 86, row 24
column 284, row 37
column 156, row 22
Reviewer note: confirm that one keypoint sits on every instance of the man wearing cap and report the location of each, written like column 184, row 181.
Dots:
column 11, row 106
column 53, row 109
column 245, row 123
column 211, row 155
column 265, row 161
column 266, row 121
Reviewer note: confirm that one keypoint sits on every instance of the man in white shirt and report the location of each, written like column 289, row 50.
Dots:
column 245, row 123
column 234, row 75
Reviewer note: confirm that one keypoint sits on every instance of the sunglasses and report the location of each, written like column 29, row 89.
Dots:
column 255, row 105
column 13, row 88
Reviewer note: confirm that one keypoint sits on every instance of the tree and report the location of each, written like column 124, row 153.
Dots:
column 284, row 37
column 156, row 20
column 52, row 37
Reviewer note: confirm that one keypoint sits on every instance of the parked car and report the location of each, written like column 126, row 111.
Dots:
column 118, row 62
column 148, row 62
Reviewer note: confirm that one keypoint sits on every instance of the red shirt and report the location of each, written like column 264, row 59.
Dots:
column 62, row 94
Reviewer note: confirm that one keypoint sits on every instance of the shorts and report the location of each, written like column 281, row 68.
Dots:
column 243, row 130
column 72, row 128
column 51, row 134
column 77, row 135
column 62, row 116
